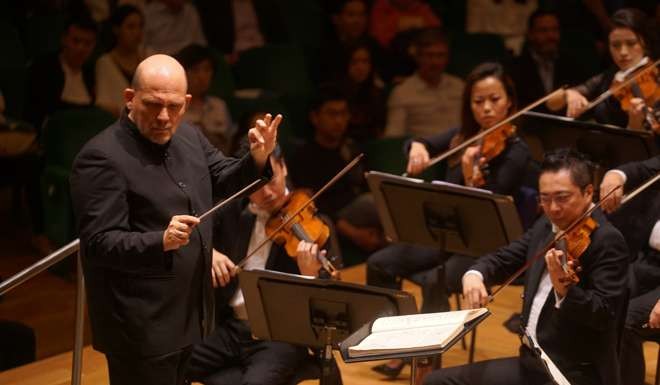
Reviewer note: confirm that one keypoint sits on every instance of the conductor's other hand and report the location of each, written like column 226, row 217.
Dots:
column 418, row 158
column 222, row 269
column 611, row 180
column 474, row 291
column 263, row 138
column 178, row 231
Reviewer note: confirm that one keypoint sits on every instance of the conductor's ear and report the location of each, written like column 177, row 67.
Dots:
column 129, row 94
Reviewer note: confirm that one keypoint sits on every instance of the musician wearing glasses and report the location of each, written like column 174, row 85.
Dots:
column 574, row 321
column 138, row 189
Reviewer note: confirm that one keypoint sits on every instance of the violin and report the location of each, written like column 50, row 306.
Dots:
column 573, row 245
column 492, row 145
column 643, row 86
column 299, row 225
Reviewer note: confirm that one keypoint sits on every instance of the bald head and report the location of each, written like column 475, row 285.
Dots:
column 160, row 71
column 157, row 98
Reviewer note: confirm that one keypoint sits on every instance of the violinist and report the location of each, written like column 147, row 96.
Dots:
column 630, row 45
column 488, row 97
column 644, row 282
column 238, row 228
column 575, row 323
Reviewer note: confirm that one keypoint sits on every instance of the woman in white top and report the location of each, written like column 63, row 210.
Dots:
column 114, row 70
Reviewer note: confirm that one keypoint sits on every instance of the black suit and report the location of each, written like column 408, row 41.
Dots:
column 645, row 273
column 230, row 355
column 581, row 337
column 144, row 302
column 529, row 86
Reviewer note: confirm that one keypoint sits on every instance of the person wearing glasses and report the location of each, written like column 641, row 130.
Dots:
column 576, row 324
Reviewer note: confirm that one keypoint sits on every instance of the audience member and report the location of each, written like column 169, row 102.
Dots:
column 391, row 17
column 209, row 113
column 316, row 161
column 504, row 17
column 365, row 94
column 541, row 67
column 429, row 101
column 60, row 79
column 350, row 20
column 115, row 69
column 234, row 26
column 172, row 25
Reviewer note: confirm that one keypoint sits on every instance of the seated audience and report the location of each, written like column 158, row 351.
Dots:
column 171, row 25
column 391, row 17
column 115, row 69
column 209, row 113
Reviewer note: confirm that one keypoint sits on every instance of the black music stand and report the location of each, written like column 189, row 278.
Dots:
column 453, row 218
column 317, row 313
column 607, row 145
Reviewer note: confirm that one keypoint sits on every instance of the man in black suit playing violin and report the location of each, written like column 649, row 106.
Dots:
column 230, row 355
column 576, row 323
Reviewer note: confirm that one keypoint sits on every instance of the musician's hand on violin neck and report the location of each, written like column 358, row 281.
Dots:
column 560, row 278
column 306, row 257
column 418, row 158
column 222, row 269
column 474, row 291
column 471, row 166
column 575, row 103
column 611, row 181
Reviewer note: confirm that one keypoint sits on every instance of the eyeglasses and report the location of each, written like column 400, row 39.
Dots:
column 560, row 199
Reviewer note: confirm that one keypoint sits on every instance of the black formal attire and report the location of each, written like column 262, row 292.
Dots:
column 505, row 175
column 581, row 335
column 230, row 355
column 218, row 22
column 45, row 86
column 644, row 276
column 609, row 111
column 146, row 305
column 529, row 84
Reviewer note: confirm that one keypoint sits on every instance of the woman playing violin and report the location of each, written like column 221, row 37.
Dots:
column 489, row 97
column 629, row 44
column 239, row 227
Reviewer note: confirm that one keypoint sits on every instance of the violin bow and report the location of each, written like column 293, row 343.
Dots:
column 480, row 135
column 332, row 181
column 620, row 86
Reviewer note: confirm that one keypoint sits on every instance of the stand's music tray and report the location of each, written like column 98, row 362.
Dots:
column 607, row 145
column 456, row 219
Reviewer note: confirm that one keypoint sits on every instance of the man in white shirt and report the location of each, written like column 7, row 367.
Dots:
column 575, row 323
column 429, row 101
column 171, row 25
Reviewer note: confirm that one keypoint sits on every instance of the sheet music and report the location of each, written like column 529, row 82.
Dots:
column 554, row 372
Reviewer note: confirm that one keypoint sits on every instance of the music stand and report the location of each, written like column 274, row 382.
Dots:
column 453, row 218
column 607, row 145
column 317, row 313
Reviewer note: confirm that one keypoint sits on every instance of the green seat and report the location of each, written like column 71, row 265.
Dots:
column 64, row 135
column 13, row 71
column 222, row 84
column 281, row 69
column 471, row 49
column 580, row 45
column 386, row 155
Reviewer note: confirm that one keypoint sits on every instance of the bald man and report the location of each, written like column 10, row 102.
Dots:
column 138, row 188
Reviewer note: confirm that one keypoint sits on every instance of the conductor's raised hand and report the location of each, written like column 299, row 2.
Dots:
column 177, row 233
column 263, row 138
